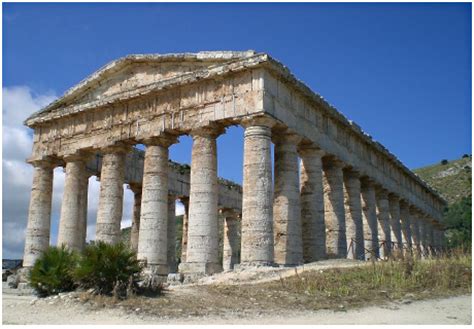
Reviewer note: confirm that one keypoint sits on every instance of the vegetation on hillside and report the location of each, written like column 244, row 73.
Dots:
column 453, row 180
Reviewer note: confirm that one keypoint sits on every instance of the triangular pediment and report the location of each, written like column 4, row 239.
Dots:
column 135, row 71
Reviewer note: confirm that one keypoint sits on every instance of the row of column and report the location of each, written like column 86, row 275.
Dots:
column 327, row 210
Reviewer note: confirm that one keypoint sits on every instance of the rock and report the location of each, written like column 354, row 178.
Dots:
column 6, row 274
column 175, row 278
column 12, row 281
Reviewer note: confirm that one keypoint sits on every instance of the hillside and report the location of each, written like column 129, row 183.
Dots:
column 452, row 179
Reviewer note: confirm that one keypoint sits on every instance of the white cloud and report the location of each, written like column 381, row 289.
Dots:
column 18, row 104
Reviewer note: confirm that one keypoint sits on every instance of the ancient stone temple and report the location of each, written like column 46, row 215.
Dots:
column 335, row 192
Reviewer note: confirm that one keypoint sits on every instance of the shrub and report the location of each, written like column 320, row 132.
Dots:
column 52, row 272
column 444, row 162
column 108, row 269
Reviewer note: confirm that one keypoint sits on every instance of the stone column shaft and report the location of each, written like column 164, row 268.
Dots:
column 334, row 211
column 184, row 241
column 137, row 203
column 406, row 225
column 109, row 214
column 172, row 234
column 73, row 218
column 231, row 244
column 383, row 216
column 369, row 219
column 395, row 224
column 152, row 238
column 202, row 255
column 39, row 214
column 257, row 203
column 286, row 204
column 312, row 205
column 415, row 231
column 353, row 210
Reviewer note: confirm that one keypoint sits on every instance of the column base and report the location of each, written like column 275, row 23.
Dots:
column 195, row 271
column 154, row 275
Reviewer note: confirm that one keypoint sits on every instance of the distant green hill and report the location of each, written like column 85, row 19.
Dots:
column 452, row 179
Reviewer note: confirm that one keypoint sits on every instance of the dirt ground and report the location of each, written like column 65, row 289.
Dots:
column 211, row 301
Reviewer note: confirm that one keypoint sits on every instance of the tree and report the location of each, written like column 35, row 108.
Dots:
column 444, row 162
column 458, row 220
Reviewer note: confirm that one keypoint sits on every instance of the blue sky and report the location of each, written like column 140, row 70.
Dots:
column 401, row 71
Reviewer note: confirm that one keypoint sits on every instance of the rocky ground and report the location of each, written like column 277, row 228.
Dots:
column 221, row 300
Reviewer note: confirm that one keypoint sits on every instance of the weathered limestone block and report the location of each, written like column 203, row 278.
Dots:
column 383, row 215
column 184, row 240
column 405, row 224
column 369, row 218
column 395, row 224
column 257, row 203
column 202, row 257
column 334, row 211
column 73, row 218
column 39, row 215
column 152, row 238
column 172, row 234
column 353, row 210
column 312, row 204
column 231, row 243
column 137, row 203
column 109, row 214
column 286, row 203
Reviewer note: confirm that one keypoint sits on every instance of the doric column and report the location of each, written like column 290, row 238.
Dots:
column 369, row 218
column 73, row 218
column 184, row 239
column 112, row 177
column 428, row 232
column 231, row 243
column 312, row 204
column 334, row 212
column 39, row 214
column 383, row 216
column 422, row 226
column 203, row 239
column 395, row 224
column 286, row 203
column 405, row 219
column 353, row 210
column 152, row 238
column 415, row 231
column 257, row 202
column 137, row 203
column 172, row 233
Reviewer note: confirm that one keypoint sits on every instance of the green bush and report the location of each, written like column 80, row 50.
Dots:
column 52, row 272
column 108, row 269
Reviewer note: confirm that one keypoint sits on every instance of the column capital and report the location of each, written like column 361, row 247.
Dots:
column 165, row 139
column 80, row 155
column 350, row 172
column 393, row 197
column 286, row 137
column 381, row 192
column 116, row 148
column 211, row 130
column 45, row 162
column 310, row 149
column 332, row 161
column 366, row 181
column 265, row 121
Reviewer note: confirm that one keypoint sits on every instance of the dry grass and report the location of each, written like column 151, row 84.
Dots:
column 339, row 289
